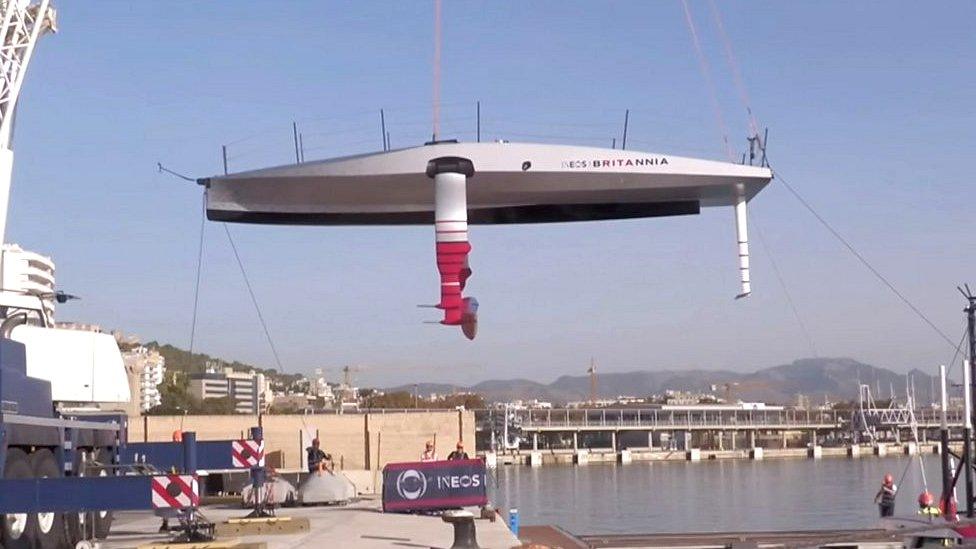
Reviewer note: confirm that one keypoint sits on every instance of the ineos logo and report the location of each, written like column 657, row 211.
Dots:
column 411, row 484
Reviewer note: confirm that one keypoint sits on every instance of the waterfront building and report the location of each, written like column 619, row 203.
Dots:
column 146, row 369
column 247, row 389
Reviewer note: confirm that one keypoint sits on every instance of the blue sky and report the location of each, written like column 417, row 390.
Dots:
column 870, row 113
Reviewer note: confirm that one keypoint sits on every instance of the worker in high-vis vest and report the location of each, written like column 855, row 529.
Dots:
column 885, row 498
column 926, row 505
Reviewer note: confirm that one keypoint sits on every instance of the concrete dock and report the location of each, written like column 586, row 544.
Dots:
column 551, row 536
column 358, row 525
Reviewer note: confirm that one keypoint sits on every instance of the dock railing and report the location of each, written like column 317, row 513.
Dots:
column 651, row 418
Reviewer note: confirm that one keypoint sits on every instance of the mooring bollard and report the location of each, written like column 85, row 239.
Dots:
column 513, row 521
column 465, row 536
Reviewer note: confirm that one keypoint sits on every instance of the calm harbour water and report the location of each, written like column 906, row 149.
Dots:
column 728, row 495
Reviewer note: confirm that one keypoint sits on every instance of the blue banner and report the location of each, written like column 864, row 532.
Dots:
column 427, row 485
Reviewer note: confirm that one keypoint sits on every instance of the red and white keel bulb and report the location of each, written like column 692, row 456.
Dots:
column 450, row 175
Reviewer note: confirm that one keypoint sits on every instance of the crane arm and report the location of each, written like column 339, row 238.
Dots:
column 21, row 24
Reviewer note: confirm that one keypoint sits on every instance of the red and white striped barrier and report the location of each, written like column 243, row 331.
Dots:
column 175, row 491
column 247, row 453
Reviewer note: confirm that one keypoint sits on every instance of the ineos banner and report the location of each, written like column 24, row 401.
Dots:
column 418, row 486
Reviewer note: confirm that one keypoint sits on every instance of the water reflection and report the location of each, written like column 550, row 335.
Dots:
column 731, row 495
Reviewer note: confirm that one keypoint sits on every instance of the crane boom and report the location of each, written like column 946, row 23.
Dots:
column 21, row 24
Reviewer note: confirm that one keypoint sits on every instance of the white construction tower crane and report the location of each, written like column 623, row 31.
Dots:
column 22, row 25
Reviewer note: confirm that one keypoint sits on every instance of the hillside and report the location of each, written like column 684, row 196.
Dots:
column 180, row 360
column 834, row 378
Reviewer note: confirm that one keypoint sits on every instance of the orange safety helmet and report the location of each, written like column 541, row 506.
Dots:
column 926, row 499
column 177, row 436
column 888, row 479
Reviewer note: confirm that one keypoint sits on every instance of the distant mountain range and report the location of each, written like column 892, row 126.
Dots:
column 817, row 378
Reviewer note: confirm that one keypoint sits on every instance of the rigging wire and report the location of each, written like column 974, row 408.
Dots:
column 196, row 288
column 706, row 74
column 955, row 355
column 734, row 67
column 254, row 300
column 437, row 69
column 754, row 127
column 786, row 291
column 850, row 247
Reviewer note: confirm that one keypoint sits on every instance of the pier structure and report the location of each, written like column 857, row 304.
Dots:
column 754, row 433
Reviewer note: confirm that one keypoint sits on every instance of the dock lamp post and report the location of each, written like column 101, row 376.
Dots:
column 969, row 380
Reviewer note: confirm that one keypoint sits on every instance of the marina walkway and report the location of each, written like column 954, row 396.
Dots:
column 691, row 420
column 358, row 525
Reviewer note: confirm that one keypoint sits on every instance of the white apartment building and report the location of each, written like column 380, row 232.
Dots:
column 146, row 369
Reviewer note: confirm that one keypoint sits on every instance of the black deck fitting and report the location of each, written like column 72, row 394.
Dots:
column 450, row 164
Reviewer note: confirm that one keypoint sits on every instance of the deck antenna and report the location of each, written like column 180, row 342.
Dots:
column 757, row 145
column 223, row 151
column 479, row 121
column 613, row 143
column 301, row 147
column 437, row 70
column 764, row 164
column 294, row 129
column 623, row 144
column 386, row 145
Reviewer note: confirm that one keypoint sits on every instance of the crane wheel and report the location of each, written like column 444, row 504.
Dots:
column 51, row 529
column 103, row 519
column 17, row 528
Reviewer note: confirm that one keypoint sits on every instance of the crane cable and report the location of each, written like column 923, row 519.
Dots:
column 436, row 84
column 240, row 265
column 754, row 128
column 737, row 76
column 254, row 299
column 786, row 291
column 706, row 74
column 867, row 264
column 196, row 288
column 734, row 66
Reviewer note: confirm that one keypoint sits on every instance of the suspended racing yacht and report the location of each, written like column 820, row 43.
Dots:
column 450, row 184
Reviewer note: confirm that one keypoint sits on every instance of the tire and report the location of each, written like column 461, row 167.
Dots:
column 17, row 529
column 103, row 519
column 50, row 530
column 80, row 524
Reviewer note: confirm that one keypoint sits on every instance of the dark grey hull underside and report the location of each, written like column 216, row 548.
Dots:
column 549, row 213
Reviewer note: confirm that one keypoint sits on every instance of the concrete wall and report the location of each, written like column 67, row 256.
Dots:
column 356, row 441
